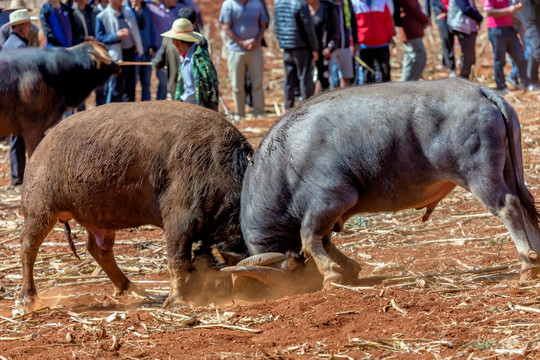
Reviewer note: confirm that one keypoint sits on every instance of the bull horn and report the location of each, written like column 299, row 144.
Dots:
column 262, row 259
column 99, row 57
column 268, row 275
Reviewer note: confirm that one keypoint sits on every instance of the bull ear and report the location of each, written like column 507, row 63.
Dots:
column 99, row 58
column 225, row 258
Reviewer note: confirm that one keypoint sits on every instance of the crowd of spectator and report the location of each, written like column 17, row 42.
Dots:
column 325, row 44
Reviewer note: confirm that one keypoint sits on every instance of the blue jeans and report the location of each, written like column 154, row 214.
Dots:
column 143, row 73
column 162, row 84
column 505, row 39
column 527, row 50
column 17, row 158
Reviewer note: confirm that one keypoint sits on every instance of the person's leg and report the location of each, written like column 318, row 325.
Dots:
column 514, row 46
column 533, row 35
column 334, row 70
column 345, row 63
column 383, row 58
column 291, row 78
column 145, row 74
column 130, row 77
column 408, row 59
column 17, row 159
column 419, row 58
column 161, row 93
column 368, row 57
column 498, row 43
column 304, row 65
column 237, row 74
column 323, row 74
column 447, row 44
column 467, row 44
column 255, row 67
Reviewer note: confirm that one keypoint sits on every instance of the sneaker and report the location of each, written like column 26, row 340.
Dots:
column 453, row 74
column 502, row 91
column 237, row 117
column 512, row 82
column 533, row 87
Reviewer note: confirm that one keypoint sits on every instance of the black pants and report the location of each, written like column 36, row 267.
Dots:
column 123, row 88
column 382, row 56
column 298, row 75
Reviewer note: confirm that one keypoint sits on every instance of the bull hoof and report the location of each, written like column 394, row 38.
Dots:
column 529, row 274
column 170, row 301
column 351, row 273
column 130, row 289
column 330, row 278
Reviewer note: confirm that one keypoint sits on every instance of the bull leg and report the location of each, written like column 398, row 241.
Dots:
column 32, row 137
column 34, row 232
column 179, row 235
column 519, row 217
column 100, row 245
column 317, row 223
column 351, row 267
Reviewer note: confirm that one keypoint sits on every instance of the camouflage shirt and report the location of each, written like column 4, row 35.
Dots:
column 205, row 80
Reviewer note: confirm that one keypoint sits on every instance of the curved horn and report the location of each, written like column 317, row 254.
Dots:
column 268, row 275
column 262, row 259
column 101, row 58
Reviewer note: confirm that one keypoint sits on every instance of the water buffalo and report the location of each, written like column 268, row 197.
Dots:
column 169, row 164
column 37, row 85
column 383, row 148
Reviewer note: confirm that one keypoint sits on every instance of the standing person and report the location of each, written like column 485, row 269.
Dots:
column 84, row 22
column 440, row 12
column 143, row 73
column 296, row 36
column 464, row 20
column 197, row 78
column 342, row 56
column 32, row 36
column 324, row 14
column 19, row 21
column 57, row 23
column 413, row 22
column 117, row 28
column 375, row 28
column 504, row 38
column 244, row 22
column 163, row 14
column 168, row 57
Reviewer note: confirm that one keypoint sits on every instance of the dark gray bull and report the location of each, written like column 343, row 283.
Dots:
column 169, row 164
column 384, row 148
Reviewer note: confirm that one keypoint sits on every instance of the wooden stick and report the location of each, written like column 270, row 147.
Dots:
column 129, row 63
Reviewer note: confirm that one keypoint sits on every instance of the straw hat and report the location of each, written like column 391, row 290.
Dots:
column 182, row 29
column 20, row 16
column 16, row 5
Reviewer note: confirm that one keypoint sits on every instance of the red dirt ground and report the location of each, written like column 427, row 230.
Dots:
column 442, row 289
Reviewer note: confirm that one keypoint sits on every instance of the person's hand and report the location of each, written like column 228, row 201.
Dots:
column 327, row 52
column 249, row 44
column 89, row 38
column 315, row 55
column 516, row 8
column 122, row 34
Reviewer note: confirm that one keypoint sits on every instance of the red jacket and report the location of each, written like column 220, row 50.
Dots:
column 375, row 24
column 413, row 20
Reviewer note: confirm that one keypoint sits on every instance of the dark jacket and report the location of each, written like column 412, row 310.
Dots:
column 326, row 30
column 144, row 18
column 295, row 29
column 413, row 20
column 168, row 56
column 347, row 25
column 531, row 10
column 50, row 28
column 84, row 23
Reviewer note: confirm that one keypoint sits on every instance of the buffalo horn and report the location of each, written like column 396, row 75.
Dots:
column 99, row 57
column 262, row 259
column 268, row 275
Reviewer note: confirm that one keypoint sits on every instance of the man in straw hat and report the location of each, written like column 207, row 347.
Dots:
column 5, row 30
column 19, row 21
column 197, row 78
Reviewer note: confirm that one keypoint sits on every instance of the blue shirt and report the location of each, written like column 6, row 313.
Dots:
column 244, row 19
column 186, row 69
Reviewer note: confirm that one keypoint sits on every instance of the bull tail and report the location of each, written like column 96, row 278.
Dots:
column 67, row 231
column 513, row 133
